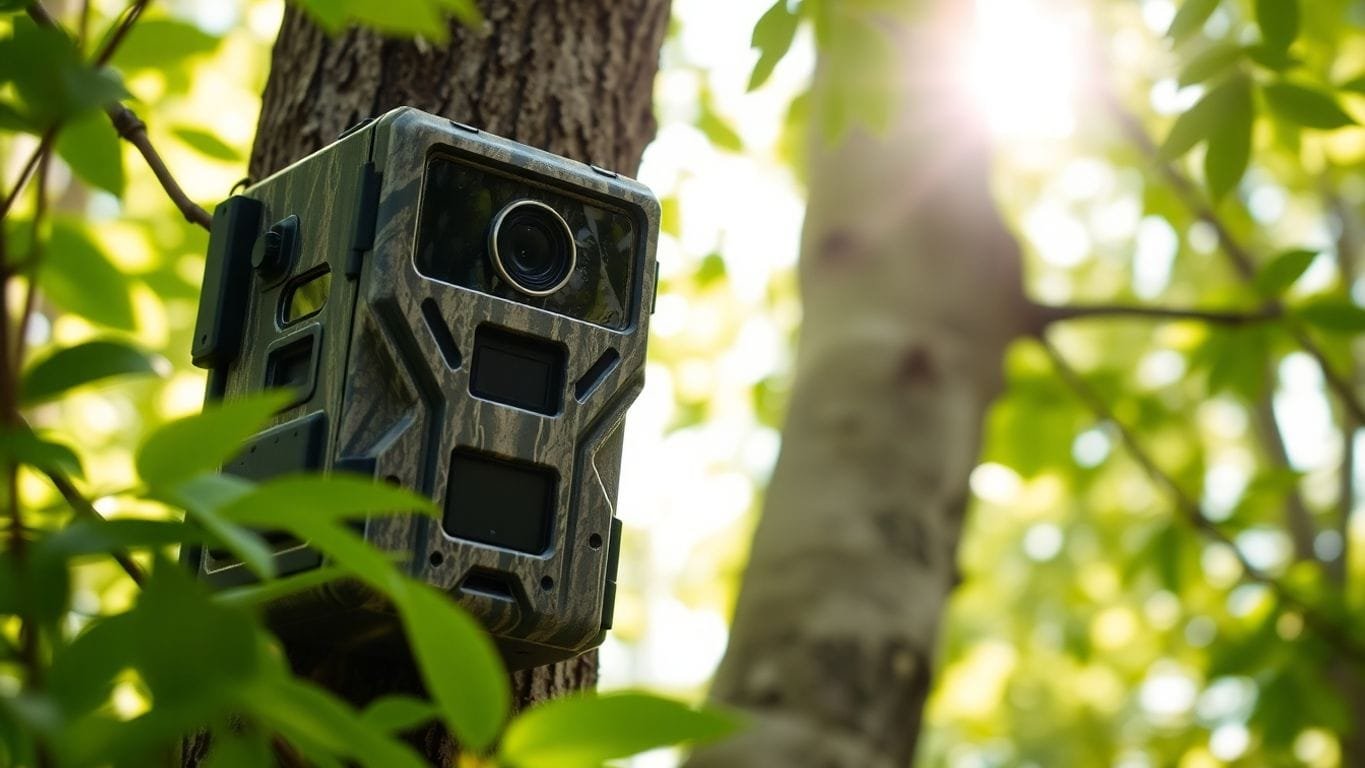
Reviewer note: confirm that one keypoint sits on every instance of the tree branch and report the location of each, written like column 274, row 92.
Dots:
column 129, row 127
column 1044, row 315
column 1237, row 254
column 1193, row 514
column 82, row 506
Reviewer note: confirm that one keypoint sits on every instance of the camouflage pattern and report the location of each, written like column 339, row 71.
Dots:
column 395, row 402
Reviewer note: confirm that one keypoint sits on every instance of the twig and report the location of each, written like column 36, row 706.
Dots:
column 132, row 130
column 1338, row 567
column 115, row 38
column 1045, row 315
column 33, row 257
column 31, row 165
column 1237, row 253
column 1193, row 514
column 82, row 506
column 126, row 123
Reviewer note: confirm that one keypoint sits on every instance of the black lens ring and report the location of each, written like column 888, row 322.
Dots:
column 541, row 213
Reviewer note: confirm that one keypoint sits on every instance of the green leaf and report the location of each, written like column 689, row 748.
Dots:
column 66, row 369
column 22, row 446
column 202, row 497
column 201, row 443
column 773, row 35
column 52, row 82
column 586, row 731
column 1274, row 59
column 257, row 595
column 231, row 748
column 717, row 129
column 1336, row 314
column 395, row 714
column 1306, row 106
column 94, row 151
column 301, row 711
column 13, row 6
column 95, row 537
column 460, row 667
column 1190, row 18
column 1279, row 22
column 76, row 275
column 345, row 550
column 1210, row 63
column 1354, row 84
column 162, row 44
column 711, row 269
column 1205, row 118
column 1229, row 147
column 1283, row 271
column 207, row 144
column 336, row 497
column 1237, row 360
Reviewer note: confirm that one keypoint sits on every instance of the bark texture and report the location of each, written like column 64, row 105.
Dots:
column 574, row 77
column 912, row 291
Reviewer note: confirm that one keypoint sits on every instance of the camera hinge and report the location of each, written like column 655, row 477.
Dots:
column 366, row 211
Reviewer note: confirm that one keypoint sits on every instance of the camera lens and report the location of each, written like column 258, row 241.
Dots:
column 532, row 247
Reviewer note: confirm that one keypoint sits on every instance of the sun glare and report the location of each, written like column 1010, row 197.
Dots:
column 1023, row 69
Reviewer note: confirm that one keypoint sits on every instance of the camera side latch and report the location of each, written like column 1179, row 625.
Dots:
column 227, row 272
column 366, row 211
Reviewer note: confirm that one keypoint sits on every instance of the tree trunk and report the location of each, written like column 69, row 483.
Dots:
column 911, row 290
column 574, row 77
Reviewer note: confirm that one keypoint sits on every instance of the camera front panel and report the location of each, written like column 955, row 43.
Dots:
column 506, row 408
column 458, row 239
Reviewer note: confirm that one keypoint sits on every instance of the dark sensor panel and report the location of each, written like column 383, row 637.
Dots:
column 501, row 502
column 521, row 371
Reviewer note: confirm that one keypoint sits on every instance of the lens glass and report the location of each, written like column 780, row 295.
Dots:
column 534, row 247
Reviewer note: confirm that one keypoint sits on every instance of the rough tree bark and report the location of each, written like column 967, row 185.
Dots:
column 911, row 289
column 574, row 77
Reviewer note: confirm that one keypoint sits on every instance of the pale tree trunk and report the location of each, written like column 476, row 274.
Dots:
column 574, row 77
column 912, row 291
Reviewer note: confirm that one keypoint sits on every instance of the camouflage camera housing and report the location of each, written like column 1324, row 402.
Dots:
column 406, row 284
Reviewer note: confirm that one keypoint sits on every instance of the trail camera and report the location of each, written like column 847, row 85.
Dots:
column 458, row 314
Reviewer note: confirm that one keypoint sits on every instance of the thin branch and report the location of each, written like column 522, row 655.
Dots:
column 31, row 165
column 116, row 37
column 1338, row 567
column 1193, row 514
column 1237, row 253
column 83, row 507
column 132, row 130
column 34, row 257
column 1298, row 519
column 129, row 127
column 1045, row 315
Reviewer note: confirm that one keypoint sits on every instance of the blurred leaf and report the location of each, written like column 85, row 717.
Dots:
column 1354, row 84
column 1237, row 360
column 1332, row 313
column 303, row 711
column 586, row 731
column 92, row 537
column 1229, row 149
column 396, row 714
column 83, row 673
column 861, row 82
column 717, row 129
column 1279, row 22
column 1205, row 118
column 256, row 595
column 773, row 35
column 202, row 497
column 52, row 82
column 1212, row 62
column 207, row 144
column 1272, row 58
column 66, row 369
column 11, row 6
column 235, row 748
column 711, row 269
column 1306, row 106
column 1283, row 271
column 201, row 443
column 94, row 151
column 461, row 669
column 399, row 17
column 21, row 445
column 76, row 275
column 334, row 497
column 162, row 44
column 670, row 216
column 1190, row 18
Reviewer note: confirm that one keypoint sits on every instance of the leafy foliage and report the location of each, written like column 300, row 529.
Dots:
column 121, row 682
